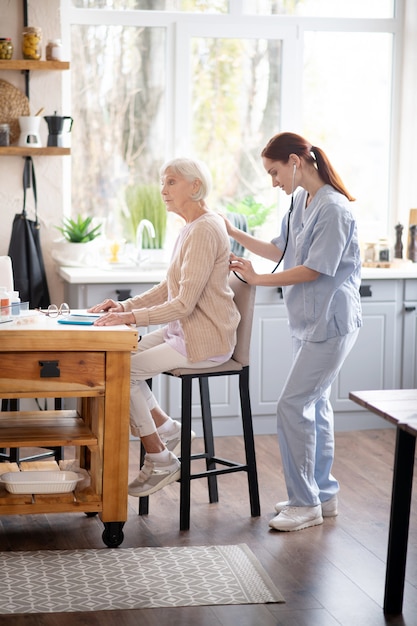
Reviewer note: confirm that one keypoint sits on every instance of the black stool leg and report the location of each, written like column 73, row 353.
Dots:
column 144, row 501
column 186, row 399
column 249, row 442
column 208, row 438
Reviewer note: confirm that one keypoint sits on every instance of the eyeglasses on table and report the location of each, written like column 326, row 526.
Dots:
column 53, row 310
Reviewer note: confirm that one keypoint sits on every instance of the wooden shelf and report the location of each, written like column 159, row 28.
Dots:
column 26, row 151
column 24, row 64
column 26, row 429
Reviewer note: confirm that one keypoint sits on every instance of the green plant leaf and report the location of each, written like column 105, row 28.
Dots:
column 79, row 230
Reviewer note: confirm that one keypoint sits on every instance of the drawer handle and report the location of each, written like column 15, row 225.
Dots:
column 365, row 291
column 50, row 369
column 123, row 294
column 409, row 309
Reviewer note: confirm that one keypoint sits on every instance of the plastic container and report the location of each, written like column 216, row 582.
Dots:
column 4, row 135
column 6, row 48
column 31, row 43
column 53, row 50
column 4, row 305
column 14, row 302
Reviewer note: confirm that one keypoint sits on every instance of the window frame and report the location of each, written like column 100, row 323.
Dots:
column 181, row 27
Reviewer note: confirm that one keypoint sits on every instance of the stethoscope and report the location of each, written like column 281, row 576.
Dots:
column 290, row 210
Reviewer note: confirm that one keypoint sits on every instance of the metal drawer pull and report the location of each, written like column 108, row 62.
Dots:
column 50, row 369
column 409, row 309
column 365, row 291
column 123, row 294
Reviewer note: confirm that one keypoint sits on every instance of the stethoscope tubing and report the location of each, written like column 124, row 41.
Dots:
column 290, row 210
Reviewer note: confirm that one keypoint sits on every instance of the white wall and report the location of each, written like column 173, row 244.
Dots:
column 46, row 90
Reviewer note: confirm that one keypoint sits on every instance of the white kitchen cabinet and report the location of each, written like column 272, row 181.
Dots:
column 86, row 295
column 374, row 362
column 409, row 354
column 271, row 356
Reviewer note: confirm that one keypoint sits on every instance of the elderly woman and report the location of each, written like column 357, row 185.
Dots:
column 195, row 306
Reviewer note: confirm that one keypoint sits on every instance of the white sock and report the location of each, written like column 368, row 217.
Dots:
column 166, row 427
column 159, row 457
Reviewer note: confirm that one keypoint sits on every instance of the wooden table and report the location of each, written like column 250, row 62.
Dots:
column 40, row 358
column 399, row 407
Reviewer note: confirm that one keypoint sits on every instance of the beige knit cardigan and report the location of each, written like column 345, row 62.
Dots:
column 201, row 298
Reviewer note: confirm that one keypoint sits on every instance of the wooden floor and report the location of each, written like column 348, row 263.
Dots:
column 330, row 574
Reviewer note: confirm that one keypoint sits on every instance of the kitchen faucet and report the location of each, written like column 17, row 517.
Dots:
column 143, row 224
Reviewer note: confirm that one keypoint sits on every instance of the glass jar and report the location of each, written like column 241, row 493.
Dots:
column 370, row 252
column 6, row 49
column 31, row 43
column 53, row 50
column 4, row 134
column 384, row 251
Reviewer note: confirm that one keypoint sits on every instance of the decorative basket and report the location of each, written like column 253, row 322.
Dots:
column 13, row 104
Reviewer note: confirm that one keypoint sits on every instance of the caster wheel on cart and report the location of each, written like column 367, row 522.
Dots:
column 113, row 534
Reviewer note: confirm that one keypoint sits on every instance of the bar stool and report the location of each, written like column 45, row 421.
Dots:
column 238, row 366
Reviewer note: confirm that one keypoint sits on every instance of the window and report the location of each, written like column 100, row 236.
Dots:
column 322, row 8
column 151, row 80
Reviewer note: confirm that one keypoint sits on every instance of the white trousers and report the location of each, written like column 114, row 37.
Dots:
column 305, row 419
column 154, row 356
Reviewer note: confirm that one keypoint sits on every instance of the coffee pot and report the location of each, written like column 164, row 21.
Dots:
column 56, row 124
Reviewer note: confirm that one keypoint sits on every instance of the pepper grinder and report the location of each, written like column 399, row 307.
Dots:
column 398, row 249
column 412, row 248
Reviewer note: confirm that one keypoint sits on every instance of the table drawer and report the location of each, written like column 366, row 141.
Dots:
column 53, row 373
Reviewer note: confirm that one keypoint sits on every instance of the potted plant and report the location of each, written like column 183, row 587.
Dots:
column 78, row 246
column 79, row 230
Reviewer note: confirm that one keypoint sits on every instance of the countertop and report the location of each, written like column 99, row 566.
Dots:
column 82, row 275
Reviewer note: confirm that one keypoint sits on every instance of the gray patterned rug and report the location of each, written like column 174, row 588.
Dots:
column 132, row 578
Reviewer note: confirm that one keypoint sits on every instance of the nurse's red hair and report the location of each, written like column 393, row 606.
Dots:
column 282, row 145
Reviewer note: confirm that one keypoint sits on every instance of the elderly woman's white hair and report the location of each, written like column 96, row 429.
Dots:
column 191, row 170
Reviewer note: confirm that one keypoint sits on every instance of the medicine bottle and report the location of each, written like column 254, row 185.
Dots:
column 14, row 302
column 4, row 305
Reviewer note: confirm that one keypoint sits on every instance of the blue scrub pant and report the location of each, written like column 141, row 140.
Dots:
column 305, row 419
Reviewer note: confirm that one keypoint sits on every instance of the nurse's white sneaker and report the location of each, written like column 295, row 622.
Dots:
column 297, row 518
column 328, row 508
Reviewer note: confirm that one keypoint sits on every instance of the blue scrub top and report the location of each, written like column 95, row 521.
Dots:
column 324, row 238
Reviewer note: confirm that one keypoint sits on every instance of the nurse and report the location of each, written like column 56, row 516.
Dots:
column 320, row 279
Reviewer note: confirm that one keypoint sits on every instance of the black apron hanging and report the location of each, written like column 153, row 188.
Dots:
column 25, row 250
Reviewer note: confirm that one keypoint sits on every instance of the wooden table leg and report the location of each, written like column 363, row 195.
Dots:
column 399, row 522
